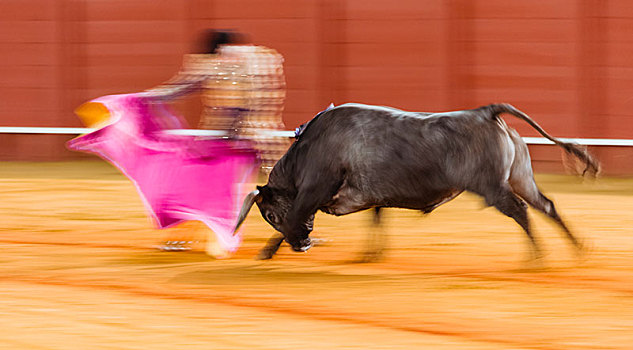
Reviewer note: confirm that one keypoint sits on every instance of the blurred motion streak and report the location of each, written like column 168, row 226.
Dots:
column 178, row 177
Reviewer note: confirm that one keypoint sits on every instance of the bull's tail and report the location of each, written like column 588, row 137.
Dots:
column 592, row 166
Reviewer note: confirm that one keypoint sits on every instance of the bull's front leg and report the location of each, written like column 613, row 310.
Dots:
column 274, row 242
column 299, row 220
column 271, row 247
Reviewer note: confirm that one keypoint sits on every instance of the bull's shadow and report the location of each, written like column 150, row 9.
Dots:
column 254, row 275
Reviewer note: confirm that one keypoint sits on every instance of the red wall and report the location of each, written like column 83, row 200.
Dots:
column 567, row 63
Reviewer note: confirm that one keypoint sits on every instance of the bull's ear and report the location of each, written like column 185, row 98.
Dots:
column 264, row 193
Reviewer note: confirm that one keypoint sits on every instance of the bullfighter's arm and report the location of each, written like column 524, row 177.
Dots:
column 181, row 84
column 196, row 69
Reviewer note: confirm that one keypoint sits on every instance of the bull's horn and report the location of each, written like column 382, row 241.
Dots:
column 246, row 207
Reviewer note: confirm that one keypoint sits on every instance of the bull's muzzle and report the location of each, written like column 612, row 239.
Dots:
column 302, row 246
column 250, row 199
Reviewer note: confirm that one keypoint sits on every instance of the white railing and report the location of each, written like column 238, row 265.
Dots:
column 287, row 133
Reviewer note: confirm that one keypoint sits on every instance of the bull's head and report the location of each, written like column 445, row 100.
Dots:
column 274, row 206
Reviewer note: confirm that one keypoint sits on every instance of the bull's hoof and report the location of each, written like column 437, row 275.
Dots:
column 534, row 265
column 583, row 250
column 371, row 257
column 534, row 261
column 265, row 254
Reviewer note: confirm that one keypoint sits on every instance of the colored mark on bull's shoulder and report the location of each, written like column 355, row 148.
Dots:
column 299, row 131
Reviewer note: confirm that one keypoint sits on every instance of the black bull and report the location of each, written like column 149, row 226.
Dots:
column 355, row 157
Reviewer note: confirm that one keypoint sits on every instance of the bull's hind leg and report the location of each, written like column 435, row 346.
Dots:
column 509, row 204
column 376, row 240
column 527, row 189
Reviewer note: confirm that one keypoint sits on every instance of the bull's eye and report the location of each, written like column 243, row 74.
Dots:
column 271, row 217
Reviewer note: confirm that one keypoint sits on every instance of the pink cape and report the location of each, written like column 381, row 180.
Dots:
column 179, row 177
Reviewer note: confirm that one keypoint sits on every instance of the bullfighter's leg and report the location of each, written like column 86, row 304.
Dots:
column 528, row 190
column 511, row 205
column 271, row 247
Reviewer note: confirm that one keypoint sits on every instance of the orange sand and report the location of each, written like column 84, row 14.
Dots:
column 78, row 271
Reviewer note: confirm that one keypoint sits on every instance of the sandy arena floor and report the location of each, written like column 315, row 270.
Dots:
column 79, row 270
